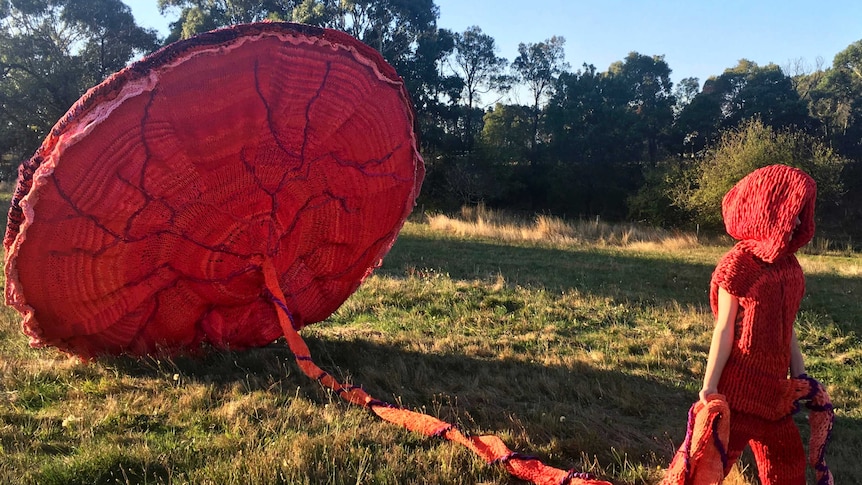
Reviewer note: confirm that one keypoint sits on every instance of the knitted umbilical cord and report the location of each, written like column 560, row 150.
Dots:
column 702, row 457
column 821, row 417
column 491, row 448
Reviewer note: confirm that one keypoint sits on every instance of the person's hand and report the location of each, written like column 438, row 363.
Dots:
column 706, row 391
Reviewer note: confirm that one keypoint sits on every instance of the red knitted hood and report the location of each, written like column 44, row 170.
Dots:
column 761, row 210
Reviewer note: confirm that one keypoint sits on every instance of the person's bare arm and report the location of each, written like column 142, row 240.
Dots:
column 797, row 362
column 722, row 341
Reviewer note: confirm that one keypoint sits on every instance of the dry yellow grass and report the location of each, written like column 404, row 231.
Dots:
column 813, row 264
column 482, row 222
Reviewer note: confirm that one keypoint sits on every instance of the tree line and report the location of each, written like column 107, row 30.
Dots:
column 622, row 144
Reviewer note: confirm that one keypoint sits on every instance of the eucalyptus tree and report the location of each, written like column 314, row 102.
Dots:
column 434, row 92
column 198, row 16
column 766, row 92
column 538, row 66
column 680, row 141
column 51, row 51
column 593, row 145
column 647, row 79
column 390, row 26
column 837, row 100
column 684, row 93
column 393, row 27
column 741, row 93
column 480, row 70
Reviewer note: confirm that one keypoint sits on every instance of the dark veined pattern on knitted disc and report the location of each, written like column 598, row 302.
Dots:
column 141, row 222
column 224, row 191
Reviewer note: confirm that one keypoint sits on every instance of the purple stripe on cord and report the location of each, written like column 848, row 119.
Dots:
column 718, row 445
column 575, row 474
column 284, row 308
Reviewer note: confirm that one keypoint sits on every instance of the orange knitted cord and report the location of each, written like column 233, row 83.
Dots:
column 490, row 448
column 702, row 457
column 821, row 418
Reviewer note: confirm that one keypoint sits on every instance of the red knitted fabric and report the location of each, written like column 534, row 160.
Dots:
column 762, row 271
column 776, row 445
column 761, row 208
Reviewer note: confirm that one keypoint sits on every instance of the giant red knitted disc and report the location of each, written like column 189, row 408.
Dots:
column 143, row 221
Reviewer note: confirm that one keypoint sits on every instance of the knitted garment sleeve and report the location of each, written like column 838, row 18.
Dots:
column 736, row 272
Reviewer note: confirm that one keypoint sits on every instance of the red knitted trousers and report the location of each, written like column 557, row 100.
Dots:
column 777, row 448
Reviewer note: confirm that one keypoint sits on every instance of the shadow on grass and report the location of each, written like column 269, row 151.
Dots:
column 551, row 412
column 588, row 270
column 559, row 414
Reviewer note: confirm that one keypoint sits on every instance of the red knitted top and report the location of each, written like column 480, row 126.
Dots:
column 762, row 271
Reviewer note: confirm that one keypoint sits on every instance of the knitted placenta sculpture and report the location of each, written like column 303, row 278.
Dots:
column 142, row 222
column 771, row 213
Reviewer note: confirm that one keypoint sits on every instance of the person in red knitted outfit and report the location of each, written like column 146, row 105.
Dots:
column 755, row 293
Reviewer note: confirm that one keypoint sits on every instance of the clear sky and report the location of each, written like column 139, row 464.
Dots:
column 699, row 38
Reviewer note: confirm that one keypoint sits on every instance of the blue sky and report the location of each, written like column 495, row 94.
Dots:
column 699, row 38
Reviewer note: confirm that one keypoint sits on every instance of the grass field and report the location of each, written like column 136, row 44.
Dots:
column 586, row 353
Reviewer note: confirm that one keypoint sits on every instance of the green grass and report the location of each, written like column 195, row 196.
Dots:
column 587, row 356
